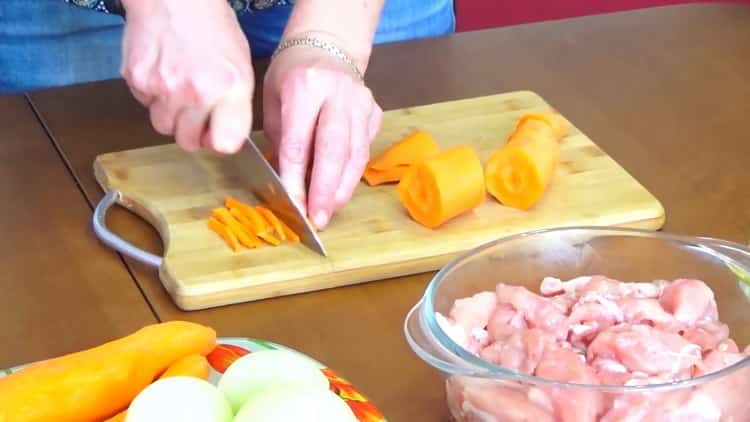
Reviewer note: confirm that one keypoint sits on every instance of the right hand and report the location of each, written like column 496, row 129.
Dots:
column 189, row 62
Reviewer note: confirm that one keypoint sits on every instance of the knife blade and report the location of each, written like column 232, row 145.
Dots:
column 261, row 179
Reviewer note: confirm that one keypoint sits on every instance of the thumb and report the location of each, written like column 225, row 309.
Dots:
column 231, row 120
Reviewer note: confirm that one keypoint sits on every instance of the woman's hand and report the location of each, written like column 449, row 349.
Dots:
column 189, row 63
column 321, row 119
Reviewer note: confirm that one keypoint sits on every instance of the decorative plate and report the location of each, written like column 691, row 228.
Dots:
column 229, row 349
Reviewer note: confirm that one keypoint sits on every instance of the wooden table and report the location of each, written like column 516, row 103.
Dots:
column 60, row 290
column 665, row 91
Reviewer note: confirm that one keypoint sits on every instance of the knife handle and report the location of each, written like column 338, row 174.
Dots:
column 114, row 241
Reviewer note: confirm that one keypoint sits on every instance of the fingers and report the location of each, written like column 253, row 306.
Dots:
column 299, row 113
column 231, row 121
column 190, row 127
column 332, row 152
column 360, row 154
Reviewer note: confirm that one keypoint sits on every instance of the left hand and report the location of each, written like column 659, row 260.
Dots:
column 320, row 118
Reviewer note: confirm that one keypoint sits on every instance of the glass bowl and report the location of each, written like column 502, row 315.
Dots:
column 477, row 390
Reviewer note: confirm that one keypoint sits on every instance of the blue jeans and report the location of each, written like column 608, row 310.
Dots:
column 48, row 43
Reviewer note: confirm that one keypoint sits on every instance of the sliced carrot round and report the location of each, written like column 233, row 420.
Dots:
column 554, row 120
column 518, row 174
column 443, row 187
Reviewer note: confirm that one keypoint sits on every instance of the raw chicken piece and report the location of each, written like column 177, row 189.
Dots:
column 551, row 286
column 707, row 334
column 664, row 406
column 482, row 400
column 590, row 316
column 475, row 311
column 454, row 331
column 645, row 311
column 521, row 351
column 505, row 321
column 610, row 371
column 718, row 359
column 571, row 404
column 538, row 311
column 645, row 349
column 690, row 301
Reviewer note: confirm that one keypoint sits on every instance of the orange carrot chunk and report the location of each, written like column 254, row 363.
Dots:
column 519, row 173
column 96, row 383
column 225, row 232
column 378, row 177
column 413, row 148
column 553, row 120
column 391, row 164
column 443, row 187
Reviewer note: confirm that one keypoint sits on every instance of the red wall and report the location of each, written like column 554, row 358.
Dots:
column 479, row 14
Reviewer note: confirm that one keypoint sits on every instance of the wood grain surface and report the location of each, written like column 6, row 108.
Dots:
column 664, row 91
column 60, row 290
column 373, row 237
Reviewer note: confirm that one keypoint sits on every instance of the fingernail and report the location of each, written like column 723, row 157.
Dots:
column 321, row 219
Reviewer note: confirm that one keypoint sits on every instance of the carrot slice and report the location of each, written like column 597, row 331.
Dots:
column 225, row 232
column 273, row 220
column 444, row 186
column 378, row 177
column 244, row 237
column 519, row 173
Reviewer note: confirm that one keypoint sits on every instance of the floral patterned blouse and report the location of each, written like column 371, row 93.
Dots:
column 239, row 6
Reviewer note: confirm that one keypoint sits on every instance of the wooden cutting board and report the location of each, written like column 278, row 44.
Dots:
column 372, row 237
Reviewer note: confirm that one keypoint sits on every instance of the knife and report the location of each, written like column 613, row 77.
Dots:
column 261, row 179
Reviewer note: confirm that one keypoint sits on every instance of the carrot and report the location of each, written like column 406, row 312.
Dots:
column 273, row 220
column 411, row 149
column 519, row 173
column 246, row 224
column 194, row 365
column 391, row 164
column 289, row 234
column 444, row 186
column 96, row 383
column 553, row 120
column 375, row 177
column 244, row 236
column 225, row 232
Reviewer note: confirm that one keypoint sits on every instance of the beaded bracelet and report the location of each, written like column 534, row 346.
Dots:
column 318, row 43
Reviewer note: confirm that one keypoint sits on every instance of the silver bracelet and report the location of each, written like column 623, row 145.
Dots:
column 318, row 43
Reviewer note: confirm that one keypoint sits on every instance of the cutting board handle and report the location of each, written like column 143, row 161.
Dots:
column 114, row 241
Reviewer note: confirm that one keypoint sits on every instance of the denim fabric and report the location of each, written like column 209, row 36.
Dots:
column 48, row 43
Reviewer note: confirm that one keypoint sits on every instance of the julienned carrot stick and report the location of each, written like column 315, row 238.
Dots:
column 444, row 186
column 290, row 235
column 225, row 232
column 246, row 224
column 375, row 177
column 520, row 171
column 245, row 237
column 413, row 148
column 274, row 221
column 96, row 383
column 194, row 365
